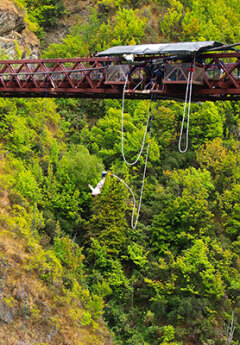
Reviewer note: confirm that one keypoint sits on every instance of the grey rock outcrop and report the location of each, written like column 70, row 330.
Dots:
column 6, row 314
column 10, row 21
column 16, row 40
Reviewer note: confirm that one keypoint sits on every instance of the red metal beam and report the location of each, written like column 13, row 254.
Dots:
column 91, row 78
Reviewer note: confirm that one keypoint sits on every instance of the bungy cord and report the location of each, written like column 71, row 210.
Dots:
column 188, row 97
column 134, row 224
column 122, row 131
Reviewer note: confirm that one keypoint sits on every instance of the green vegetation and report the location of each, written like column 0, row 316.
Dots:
column 202, row 20
column 125, row 27
column 175, row 279
column 41, row 14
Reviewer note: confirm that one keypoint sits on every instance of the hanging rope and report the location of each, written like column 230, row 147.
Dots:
column 134, row 224
column 122, row 130
column 133, row 196
column 188, row 98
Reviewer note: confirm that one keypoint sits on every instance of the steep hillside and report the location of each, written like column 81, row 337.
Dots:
column 69, row 260
column 75, row 11
column 36, row 307
column 45, row 298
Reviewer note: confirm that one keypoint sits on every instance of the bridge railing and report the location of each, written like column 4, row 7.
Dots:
column 178, row 73
column 216, row 76
column 40, row 74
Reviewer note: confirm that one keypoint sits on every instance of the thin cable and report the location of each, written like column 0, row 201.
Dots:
column 122, row 130
column 138, row 84
column 133, row 196
column 144, row 172
column 188, row 98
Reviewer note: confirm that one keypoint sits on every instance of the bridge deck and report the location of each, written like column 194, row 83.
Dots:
column 215, row 77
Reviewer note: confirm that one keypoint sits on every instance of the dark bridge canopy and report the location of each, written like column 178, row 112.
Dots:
column 181, row 48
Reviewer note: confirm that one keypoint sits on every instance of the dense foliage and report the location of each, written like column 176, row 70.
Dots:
column 41, row 14
column 175, row 279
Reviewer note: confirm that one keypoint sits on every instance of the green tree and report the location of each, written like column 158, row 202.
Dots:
column 66, row 192
column 108, row 222
column 125, row 27
column 230, row 205
column 205, row 124
column 172, row 19
column 222, row 163
column 196, row 20
column 104, row 139
column 29, row 127
column 182, row 210
column 43, row 12
column 191, row 287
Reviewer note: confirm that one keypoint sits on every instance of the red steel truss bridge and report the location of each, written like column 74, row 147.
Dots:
column 215, row 76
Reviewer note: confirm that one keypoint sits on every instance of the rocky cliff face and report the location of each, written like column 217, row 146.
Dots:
column 16, row 40
column 76, row 11
column 29, row 311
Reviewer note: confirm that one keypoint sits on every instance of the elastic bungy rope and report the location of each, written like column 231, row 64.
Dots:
column 188, row 97
column 122, row 139
column 133, row 196
column 134, row 225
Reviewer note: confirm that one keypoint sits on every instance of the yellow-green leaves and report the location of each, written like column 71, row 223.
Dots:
column 171, row 19
column 201, row 20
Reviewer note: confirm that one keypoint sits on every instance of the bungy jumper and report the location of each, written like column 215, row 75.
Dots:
column 97, row 189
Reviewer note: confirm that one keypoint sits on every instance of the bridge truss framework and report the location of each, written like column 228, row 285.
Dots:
column 217, row 77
